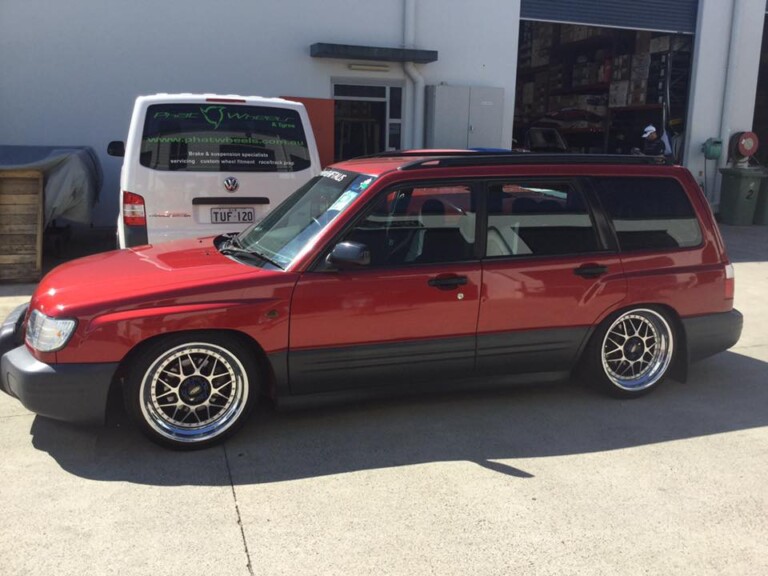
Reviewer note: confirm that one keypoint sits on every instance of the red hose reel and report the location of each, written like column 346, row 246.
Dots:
column 743, row 145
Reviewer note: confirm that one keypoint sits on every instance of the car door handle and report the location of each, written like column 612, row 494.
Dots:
column 590, row 270
column 447, row 282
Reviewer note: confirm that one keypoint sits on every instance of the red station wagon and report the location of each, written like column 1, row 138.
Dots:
column 389, row 273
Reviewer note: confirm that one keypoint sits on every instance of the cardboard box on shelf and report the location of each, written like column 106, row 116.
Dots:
column 640, row 65
column 638, row 86
column 604, row 73
column 528, row 92
column 636, row 97
column 642, row 42
column 618, row 93
column 620, row 68
column 543, row 35
column 659, row 44
column 539, row 56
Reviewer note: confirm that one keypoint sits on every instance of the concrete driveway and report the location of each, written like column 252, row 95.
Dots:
column 545, row 480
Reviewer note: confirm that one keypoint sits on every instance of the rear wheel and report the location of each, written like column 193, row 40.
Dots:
column 191, row 391
column 632, row 353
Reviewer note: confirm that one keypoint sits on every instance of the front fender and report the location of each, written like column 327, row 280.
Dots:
column 109, row 337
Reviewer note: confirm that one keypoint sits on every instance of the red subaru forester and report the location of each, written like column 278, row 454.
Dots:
column 389, row 273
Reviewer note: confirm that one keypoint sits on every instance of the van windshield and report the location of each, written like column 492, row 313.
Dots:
column 292, row 227
column 217, row 137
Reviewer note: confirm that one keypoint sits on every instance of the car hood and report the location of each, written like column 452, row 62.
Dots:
column 145, row 274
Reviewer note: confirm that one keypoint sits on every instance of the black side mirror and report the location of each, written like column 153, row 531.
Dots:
column 116, row 148
column 346, row 254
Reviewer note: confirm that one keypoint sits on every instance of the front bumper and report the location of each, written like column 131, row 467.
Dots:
column 70, row 392
column 713, row 333
column 11, row 330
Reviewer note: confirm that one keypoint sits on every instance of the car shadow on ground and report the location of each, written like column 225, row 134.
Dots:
column 724, row 394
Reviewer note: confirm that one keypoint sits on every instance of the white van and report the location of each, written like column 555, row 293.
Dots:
column 203, row 164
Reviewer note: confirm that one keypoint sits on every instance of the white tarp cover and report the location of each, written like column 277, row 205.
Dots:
column 72, row 177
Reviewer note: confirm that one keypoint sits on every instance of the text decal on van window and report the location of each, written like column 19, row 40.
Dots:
column 215, row 115
column 215, row 138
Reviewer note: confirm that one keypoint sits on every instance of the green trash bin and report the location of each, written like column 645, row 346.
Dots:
column 738, row 195
column 761, row 208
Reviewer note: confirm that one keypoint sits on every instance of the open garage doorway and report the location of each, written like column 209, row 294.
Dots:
column 368, row 119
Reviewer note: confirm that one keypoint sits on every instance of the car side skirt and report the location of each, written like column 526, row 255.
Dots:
column 407, row 364
column 381, row 364
column 528, row 351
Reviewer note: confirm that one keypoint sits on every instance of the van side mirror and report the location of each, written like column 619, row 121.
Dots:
column 349, row 254
column 116, row 148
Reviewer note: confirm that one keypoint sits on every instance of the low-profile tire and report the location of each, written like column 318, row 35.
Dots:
column 631, row 353
column 189, row 391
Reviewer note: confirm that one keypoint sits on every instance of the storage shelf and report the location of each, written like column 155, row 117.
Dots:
column 593, row 42
column 586, row 89
column 635, row 108
column 565, row 131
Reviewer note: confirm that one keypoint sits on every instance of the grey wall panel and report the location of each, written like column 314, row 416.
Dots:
column 662, row 15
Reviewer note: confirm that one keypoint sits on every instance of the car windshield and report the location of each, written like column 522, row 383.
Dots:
column 293, row 226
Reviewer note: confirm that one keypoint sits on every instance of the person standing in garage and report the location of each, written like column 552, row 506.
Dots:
column 653, row 145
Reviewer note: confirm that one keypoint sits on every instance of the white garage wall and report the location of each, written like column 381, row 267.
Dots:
column 69, row 71
column 723, row 82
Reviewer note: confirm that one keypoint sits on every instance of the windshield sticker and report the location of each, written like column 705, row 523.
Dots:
column 364, row 184
column 334, row 175
column 343, row 201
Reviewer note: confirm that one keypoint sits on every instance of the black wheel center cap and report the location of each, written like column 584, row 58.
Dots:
column 634, row 348
column 194, row 390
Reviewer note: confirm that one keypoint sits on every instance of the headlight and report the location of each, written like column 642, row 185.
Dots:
column 48, row 334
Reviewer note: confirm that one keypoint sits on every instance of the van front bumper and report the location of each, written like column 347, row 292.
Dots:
column 69, row 392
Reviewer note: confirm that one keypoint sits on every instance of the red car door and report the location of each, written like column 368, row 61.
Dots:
column 408, row 316
column 548, row 277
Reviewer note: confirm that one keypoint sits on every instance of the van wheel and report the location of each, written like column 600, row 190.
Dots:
column 191, row 391
column 632, row 353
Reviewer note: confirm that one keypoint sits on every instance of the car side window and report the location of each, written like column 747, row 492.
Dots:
column 530, row 218
column 649, row 213
column 419, row 225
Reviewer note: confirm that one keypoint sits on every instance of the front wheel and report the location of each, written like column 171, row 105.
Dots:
column 632, row 353
column 191, row 391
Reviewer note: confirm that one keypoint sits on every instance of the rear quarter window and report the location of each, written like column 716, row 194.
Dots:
column 213, row 137
column 649, row 213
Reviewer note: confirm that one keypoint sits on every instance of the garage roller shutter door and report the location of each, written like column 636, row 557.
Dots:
column 661, row 15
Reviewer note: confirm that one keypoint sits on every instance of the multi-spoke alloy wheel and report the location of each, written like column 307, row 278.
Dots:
column 636, row 350
column 191, row 393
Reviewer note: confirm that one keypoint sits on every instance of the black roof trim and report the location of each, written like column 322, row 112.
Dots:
column 502, row 159
column 436, row 153
column 371, row 53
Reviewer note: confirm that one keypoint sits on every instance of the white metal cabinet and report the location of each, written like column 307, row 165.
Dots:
column 464, row 116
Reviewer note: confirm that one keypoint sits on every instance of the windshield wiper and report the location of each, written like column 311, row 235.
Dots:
column 233, row 247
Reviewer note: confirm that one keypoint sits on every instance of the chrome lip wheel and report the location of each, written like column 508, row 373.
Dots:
column 637, row 350
column 194, row 392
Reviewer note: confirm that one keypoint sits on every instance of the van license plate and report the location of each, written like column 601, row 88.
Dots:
column 232, row 215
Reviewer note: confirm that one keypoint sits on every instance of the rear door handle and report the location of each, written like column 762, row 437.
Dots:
column 591, row 270
column 447, row 282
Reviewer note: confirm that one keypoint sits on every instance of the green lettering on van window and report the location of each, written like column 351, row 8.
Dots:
column 175, row 116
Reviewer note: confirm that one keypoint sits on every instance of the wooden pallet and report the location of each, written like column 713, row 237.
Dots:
column 21, row 225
